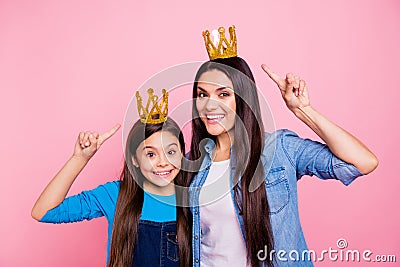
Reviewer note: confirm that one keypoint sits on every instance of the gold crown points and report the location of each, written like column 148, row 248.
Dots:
column 222, row 48
column 158, row 112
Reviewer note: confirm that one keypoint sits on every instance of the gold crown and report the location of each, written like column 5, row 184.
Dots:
column 158, row 112
column 221, row 48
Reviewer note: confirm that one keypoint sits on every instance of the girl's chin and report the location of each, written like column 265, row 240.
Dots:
column 158, row 185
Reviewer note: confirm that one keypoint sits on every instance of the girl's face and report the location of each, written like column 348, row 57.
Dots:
column 215, row 102
column 159, row 158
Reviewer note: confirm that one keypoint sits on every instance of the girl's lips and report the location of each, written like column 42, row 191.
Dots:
column 163, row 174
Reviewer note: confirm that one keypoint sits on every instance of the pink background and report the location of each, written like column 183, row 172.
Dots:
column 68, row 66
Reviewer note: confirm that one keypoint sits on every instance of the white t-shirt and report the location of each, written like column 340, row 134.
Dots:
column 222, row 242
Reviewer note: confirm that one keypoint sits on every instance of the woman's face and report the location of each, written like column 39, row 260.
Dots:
column 159, row 158
column 215, row 102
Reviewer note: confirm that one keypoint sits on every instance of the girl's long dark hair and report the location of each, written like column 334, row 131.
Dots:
column 248, row 146
column 131, row 196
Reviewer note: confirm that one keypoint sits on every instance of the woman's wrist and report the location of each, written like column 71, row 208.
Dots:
column 304, row 113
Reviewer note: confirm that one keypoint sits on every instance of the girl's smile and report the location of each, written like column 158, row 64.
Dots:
column 159, row 159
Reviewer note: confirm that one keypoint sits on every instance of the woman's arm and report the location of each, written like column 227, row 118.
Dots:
column 55, row 192
column 342, row 144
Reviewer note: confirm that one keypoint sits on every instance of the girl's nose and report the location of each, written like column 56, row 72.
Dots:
column 163, row 160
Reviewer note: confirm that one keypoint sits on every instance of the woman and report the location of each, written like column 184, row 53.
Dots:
column 234, row 229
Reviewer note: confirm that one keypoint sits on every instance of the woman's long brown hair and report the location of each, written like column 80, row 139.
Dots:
column 131, row 196
column 248, row 146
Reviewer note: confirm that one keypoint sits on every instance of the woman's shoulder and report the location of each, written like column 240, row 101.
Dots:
column 280, row 139
column 279, row 146
column 279, row 134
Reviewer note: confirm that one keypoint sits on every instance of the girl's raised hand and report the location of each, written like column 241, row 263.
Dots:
column 89, row 142
column 294, row 90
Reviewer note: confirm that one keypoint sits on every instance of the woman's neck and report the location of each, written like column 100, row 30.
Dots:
column 223, row 145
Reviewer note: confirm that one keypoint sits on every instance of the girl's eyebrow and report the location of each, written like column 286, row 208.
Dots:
column 146, row 147
column 152, row 147
column 172, row 144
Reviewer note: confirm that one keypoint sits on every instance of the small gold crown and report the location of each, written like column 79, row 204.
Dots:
column 158, row 112
column 222, row 48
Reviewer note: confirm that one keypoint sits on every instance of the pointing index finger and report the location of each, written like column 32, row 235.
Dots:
column 275, row 77
column 109, row 133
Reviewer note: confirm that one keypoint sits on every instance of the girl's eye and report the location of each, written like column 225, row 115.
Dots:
column 150, row 154
column 171, row 152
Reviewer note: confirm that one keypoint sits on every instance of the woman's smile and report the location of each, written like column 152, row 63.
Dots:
column 215, row 102
column 214, row 118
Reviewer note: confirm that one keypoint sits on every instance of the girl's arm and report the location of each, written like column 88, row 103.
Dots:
column 342, row 144
column 55, row 192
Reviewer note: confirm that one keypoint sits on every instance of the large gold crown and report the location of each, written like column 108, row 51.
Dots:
column 158, row 112
column 221, row 47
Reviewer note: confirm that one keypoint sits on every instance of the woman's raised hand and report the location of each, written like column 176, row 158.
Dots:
column 89, row 142
column 294, row 90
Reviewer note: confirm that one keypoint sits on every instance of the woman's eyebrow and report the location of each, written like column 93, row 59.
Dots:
column 218, row 89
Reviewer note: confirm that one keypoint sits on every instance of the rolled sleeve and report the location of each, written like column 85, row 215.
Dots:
column 314, row 158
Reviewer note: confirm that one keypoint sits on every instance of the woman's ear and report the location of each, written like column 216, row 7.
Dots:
column 134, row 162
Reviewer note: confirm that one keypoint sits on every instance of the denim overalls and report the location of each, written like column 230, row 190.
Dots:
column 157, row 245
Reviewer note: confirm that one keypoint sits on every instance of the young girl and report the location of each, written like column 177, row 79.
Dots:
column 144, row 225
column 257, row 222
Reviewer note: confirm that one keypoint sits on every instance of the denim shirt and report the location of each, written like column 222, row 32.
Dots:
column 286, row 158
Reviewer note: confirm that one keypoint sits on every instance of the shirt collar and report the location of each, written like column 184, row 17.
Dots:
column 209, row 148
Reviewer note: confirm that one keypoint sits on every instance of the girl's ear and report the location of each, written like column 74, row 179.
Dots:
column 134, row 162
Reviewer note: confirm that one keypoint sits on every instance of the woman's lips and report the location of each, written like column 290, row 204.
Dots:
column 214, row 118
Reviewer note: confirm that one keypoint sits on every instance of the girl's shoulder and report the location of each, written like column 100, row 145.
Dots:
column 107, row 190
column 112, row 186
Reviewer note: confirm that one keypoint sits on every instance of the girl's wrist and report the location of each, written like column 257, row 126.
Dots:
column 80, row 158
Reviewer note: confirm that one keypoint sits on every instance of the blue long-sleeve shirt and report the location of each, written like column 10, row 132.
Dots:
column 102, row 201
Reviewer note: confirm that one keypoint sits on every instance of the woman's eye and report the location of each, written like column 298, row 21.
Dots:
column 150, row 154
column 171, row 152
column 201, row 95
column 224, row 94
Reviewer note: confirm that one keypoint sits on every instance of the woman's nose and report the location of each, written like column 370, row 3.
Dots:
column 212, row 104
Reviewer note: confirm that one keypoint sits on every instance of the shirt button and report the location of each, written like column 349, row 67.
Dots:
column 196, row 212
column 196, row 237
column 197, row 260
column 266, row 182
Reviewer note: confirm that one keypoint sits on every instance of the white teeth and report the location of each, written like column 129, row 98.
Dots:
column 213, row 117
column 163, row 173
